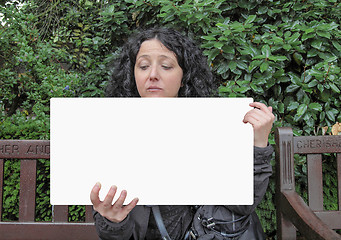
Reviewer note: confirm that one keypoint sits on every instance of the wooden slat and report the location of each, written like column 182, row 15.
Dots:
column 315, row 185
column 296, row 210
column 286, row 230
column 331, row 218
column 27, row 196
column 60, row 213
column 1, row 185
column 88, row 214
column 51, row 231
column 338, row 159
column 317, row 144
column 25, row 149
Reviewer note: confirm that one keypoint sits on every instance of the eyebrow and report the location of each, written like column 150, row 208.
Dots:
column 147, row 56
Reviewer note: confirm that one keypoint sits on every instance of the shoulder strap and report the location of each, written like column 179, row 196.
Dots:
column 159, row 223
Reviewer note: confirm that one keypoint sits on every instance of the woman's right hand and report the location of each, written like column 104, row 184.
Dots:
column 114, row 212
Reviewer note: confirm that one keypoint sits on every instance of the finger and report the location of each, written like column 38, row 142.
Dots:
column 130, row 206
column 94, row 195
column 120, row 201
column 253, row 121
column 107, row 202
column 261, row 106
column 261, row 115
column 257, row 115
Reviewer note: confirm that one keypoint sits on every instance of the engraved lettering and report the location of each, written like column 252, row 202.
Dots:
column 311, row 142
column 328, row 143
column 47, row 149
column 7, row 148
column 306, row 144
column 318, row 143
column 38, row 149
column 334, row 144
column 299, row 144
column 30, row 149
column 15, row 148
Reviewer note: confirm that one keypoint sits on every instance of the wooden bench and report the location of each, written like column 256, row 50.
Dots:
column 313, row 222
column 28, row 151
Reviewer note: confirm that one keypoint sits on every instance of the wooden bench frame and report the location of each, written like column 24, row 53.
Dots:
column 292, row 212
column 28, row 151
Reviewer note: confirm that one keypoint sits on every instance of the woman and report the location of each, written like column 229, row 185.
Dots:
column 161, row 62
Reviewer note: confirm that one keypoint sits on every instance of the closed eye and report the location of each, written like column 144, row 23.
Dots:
column 144, row 67
column 166, row 67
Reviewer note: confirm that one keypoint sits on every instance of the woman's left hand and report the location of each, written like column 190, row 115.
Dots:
column 261, row 119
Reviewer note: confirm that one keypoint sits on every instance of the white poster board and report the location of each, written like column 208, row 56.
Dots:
column 165, row 151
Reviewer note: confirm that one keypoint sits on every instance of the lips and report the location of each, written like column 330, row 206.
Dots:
column 154, row 89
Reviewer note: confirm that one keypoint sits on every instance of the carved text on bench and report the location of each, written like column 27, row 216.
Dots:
column 317, row 144
column 13, row 149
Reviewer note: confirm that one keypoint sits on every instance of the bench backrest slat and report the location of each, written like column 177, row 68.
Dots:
column 60, row 213
column 27, row 196
column 25, row 149
column 315, row 186
column 88, row 214
column 339, row 179
column 1, row 185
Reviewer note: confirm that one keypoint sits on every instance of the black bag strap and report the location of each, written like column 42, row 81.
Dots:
column 159, row 222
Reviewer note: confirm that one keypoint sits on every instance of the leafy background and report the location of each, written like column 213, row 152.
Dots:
column 285, row 54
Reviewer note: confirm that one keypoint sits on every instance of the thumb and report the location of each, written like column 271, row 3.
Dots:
column 94, row 195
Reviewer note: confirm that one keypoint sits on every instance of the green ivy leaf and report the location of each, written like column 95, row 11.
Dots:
column 315, row 106
column 302, row 109
column 323, row 34
column 264, row 66
column 313, row 83
column 209, row 38
column 278, row 58
column 294, row 38
column 232, row 65
column 242, row 65
column 213, row 53
column 266, row 51
column 218, row 45
column 228, row 49
column 292, row 88
column 334, row 88
column 317, row 44
column 330, row 115
column 320, row 87
column 256, row 88
column 250, row 19
column 293, row 106
column 222, row 68
column 336, row 45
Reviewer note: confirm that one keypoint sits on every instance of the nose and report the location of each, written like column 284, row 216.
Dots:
column 154, row 73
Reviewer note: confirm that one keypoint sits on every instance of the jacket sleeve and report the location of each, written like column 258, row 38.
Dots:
column 108, row 230
column 262, row 171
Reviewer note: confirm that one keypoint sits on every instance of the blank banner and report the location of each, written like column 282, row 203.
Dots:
column 165, row 151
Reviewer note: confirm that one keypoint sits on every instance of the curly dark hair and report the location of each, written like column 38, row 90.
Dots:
column 197, row 81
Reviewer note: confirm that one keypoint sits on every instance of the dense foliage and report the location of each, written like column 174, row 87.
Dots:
column 286, row 54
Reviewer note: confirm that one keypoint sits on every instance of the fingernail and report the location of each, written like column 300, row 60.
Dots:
column 98, row 185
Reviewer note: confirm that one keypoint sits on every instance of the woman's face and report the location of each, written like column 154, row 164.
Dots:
column 157, row 72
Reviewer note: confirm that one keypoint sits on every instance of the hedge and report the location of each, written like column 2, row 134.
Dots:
column 285, row 54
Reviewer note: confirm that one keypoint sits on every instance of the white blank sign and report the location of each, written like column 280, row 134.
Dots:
column 165, row 151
